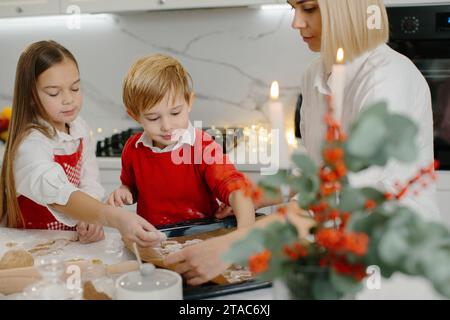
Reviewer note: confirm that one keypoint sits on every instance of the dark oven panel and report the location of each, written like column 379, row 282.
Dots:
column 423, row 35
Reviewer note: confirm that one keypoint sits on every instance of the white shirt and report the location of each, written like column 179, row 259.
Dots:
column 381, row 74
column 39, row 178
column 184, row 136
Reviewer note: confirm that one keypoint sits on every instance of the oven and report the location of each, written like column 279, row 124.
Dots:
column 422, row 33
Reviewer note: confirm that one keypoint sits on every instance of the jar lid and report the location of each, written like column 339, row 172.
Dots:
column 158, row 279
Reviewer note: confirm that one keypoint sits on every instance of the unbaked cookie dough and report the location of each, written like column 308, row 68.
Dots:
column 16, row 259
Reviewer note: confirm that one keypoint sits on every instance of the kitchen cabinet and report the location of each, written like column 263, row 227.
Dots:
column 18, row 8
column 105, row 6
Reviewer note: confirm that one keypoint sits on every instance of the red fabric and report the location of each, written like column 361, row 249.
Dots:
column 36, row 216
column 169, row 193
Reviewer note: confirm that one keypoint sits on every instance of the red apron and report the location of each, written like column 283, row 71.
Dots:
column 36, row 216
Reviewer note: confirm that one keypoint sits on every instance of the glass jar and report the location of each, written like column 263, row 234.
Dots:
column 51, row 286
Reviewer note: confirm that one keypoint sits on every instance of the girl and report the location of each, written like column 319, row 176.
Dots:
column 375, row 73
column 50, row 179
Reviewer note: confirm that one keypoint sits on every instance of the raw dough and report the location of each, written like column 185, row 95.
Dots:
column 90, row 292
column 11, row 244
column 49, row 247
column 234, row 273
column 16, row 259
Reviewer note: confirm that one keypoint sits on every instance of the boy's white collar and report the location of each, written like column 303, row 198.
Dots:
column 187, row 136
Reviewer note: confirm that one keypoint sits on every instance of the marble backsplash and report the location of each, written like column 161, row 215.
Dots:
column 233, row 55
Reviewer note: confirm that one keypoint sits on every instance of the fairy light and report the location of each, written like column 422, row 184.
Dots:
column 290, row 137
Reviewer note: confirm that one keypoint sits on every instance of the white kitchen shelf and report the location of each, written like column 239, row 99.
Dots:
column 19, row 8
column 107, row 6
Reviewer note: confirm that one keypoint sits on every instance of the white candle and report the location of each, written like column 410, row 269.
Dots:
column 338, row 84
column 276, row 114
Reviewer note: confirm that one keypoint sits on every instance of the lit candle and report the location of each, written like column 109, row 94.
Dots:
column 276, row 113
column 338, row 84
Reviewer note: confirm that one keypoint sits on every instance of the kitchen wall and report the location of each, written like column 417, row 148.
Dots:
column 232, row 54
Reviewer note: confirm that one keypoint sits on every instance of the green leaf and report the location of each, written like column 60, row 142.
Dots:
column 305, row 200
column 367, row 137
column 354, row 164
column 241, row 250
column 352, row 200
column 377, row 136
column 323, row 289
column 278, row 234
column 305, row 164
column 307, row 188
column 345, row 284
column 307, row 184
column 402, row 133
column 373, row 194
column 393, row 247
column 274, row 181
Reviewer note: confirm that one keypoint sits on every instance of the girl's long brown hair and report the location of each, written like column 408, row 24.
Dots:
column 27, row 109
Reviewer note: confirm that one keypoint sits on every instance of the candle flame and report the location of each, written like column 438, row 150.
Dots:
column 290, row 137
column 274, row 90
column 340, row 55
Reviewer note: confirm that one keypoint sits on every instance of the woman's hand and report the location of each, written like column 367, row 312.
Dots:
column 201, row 262
column 89, row 233
column 120, row 197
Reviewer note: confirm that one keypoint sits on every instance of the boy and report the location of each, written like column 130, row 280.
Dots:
column 157, row 94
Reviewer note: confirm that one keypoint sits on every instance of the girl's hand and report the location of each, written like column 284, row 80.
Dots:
column 120, row 197
column 89, row 233
column 134, row 228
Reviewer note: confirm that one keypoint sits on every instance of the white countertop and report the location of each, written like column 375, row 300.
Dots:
column 111, row 250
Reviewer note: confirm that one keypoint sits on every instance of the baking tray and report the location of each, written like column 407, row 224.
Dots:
column 209, row 290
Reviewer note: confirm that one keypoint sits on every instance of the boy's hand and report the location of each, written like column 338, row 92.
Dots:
column 89, row 233
column 224, row 211
column 120, row 197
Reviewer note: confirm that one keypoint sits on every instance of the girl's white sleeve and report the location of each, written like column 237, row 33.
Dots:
column 40, row 179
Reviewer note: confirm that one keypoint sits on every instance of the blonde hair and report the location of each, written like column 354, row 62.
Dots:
column 150, row 79
column 344, row 25
column 27, row 111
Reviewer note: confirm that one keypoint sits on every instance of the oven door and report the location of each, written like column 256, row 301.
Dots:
column 432, row 58
column 437, row 73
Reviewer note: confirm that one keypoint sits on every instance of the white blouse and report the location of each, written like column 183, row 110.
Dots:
column 44, row 181
column 381, row 74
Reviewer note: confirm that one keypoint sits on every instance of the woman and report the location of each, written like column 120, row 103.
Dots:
column 374, row 73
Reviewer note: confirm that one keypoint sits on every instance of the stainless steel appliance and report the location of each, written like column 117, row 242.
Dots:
column 422, row 33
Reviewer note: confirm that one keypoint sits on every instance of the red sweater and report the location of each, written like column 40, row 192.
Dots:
column 167, row 192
